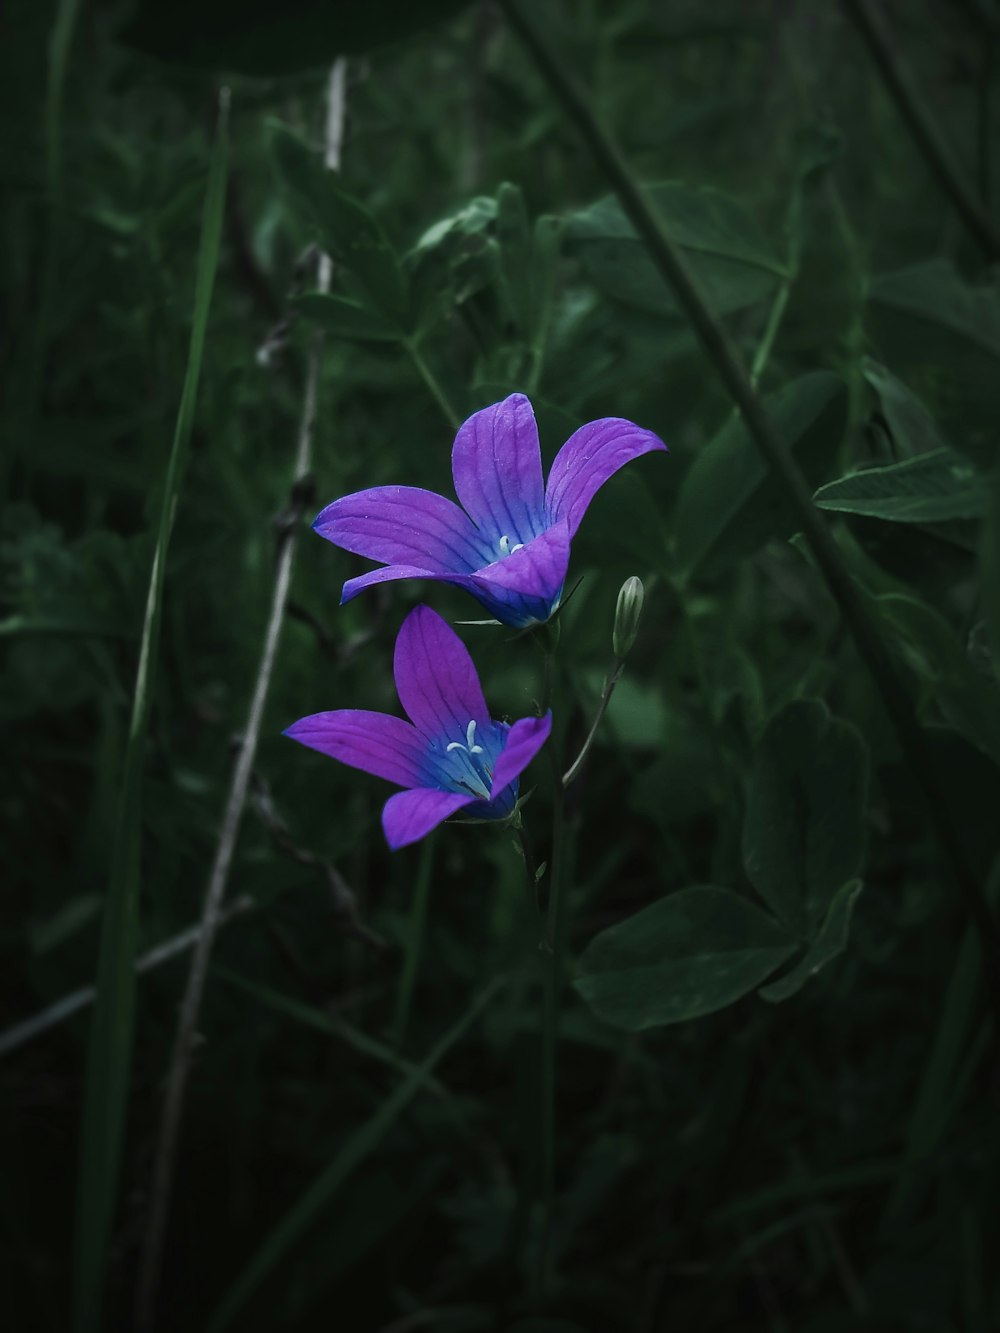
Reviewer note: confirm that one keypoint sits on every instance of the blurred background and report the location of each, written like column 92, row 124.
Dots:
column 360, row 1139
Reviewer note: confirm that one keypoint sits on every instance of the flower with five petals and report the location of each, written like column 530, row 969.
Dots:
column 450, row 756
column 509, row 545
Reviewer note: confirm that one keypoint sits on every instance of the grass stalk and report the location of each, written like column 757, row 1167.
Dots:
column 165, row 1156
column 355, row 1150
column 109, row 1052
column 414, row 942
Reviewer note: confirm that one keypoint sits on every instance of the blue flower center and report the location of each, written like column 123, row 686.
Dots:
column 470, row 769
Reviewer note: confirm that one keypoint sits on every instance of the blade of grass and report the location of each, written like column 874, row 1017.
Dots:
column 19, row 1034
column 180, row 1064
column 414, row 941
column 110, row 1046
column 942, row 1081
column 719, row 349
column 308, row 1015
column 357, row 1148
column 60, row 42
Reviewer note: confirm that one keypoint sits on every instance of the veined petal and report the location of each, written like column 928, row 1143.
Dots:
column 404, row 525
column 589, row 457
column 387, row 574
column 377, row 743
column 524, row 588
column 497, row 466
column 436, row 679
column 524, row 740
column 410, row 815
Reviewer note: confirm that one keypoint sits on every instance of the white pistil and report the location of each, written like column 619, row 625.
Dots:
column 507, row 549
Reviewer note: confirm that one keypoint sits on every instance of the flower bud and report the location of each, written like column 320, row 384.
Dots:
column 627, row 615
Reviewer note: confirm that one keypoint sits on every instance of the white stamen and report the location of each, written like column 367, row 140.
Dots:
column 506, row 548
column 470, row 739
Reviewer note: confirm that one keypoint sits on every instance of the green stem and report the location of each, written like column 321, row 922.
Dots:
column 551, row 951
column 430, row 380
column 718, row 347
column 984, row 94
column 573, row 772
column 60, row 42
column 919, row 120
column 414, row 941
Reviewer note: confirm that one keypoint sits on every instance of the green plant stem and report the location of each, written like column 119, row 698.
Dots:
column 109, row 1051
column 919, row 120
column 168, row 1136
column 717, row 346
column 354, row 1151
column 984, row 98
column 60, row 42
column 550, row 952
column 573, row 772
column 431, row 382
column 415, row 941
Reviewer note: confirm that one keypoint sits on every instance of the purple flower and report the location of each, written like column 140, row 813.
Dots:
column 509, row 545
column 450, row 756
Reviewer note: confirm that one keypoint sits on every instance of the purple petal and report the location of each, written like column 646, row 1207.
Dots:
column 410, row 815
column 497, row 467
column 524, row 588
column 524, row 740
column 376, row 743
column 404, row 525
column 385, row 575
column 435, row 678
column 589, row 457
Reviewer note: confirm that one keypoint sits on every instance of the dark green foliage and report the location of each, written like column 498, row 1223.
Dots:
column 687, row 955
column 775, row 1073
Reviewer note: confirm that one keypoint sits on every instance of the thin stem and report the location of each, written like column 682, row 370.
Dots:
column 551, row 961
column 984, row 96
column 573, row 772
column 717, row 345
column 167, row 1142
column 414, row 942
column 919, row 120
column 430, row 380
column 12, row 1038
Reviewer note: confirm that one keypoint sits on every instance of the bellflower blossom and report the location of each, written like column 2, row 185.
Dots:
column 509, row 545
column 450, row 756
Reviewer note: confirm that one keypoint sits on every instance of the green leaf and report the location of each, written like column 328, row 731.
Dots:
column 347, row 230
column 927, row 489
column 934, row 291
column 732, row 262
column 109, row 1052
column 830, row 941
column 803, row 832
column 361, row 1144
column 728, row 504
column 253, row 37
column 340, row 317
column 687, row 955
column 914, row 430
column 931, row 649
column 944, row 333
